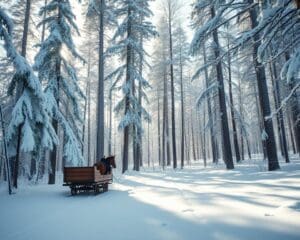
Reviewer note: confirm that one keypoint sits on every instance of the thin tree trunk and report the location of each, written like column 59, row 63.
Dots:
column 291, row 133
column 182, row 110
column 277, row 97
column 295, row 112
column 7, row 170
column 193, row 137
column 86, row 100
column 172, row 87
column 264, row 98
column 235, row 136
column 166, row 142
column 139, row 147
column 158, row 129
column 148, row 145
column 129, row 61
column 210, row 117
column 100, row 104
column 110, row 123
column 226, row 145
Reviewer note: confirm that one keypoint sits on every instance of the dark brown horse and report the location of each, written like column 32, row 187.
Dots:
column 105, row 164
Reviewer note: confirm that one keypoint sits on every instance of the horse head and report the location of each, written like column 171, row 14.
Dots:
column 112, row 161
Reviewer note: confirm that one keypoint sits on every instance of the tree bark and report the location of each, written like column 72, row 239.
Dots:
column 129, row 60
column 7, row 168
column 227, row 153
column 172, row 87
column 234, row 129
column 166, row 143
column 277, row 98
column 100, row 104
column 264, row 98
column 182, row 109
column 295, row 112
column 210, row 117
column 158, row 129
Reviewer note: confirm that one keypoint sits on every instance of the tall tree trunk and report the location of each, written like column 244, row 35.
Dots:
column 295, row 109
column 235, row 136
column 158, row 129
column 260, row 123
column 86, row 100
column 227, row 153
column 53, row 153
column 210, row 117
column 241, row 109
column 89, row 127
column 277, row 97
column 7, row 170
column 110, row 123
column 172, row 87
column 100, row 104
column 139, row 147
column 193, row 137
column 264, row 98
column 129, row 61
column 291, row 133
column 148, row 144
column 42, row 161
column 19, row 92
column 166, row 142
column 182, row 109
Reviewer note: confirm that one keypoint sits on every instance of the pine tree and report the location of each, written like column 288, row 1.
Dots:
column 29, row 117
column 214, row 10
column 127, row 44
column 54, row 68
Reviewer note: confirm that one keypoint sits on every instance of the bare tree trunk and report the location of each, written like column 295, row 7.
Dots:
column 7, row 170
column 139, row 147
column 148, row 144
column 166, row 142
column 193, row 137
column 182, row 110
column 129, row 61
column 172, row 86
column 264, row 98
column 277, row 98
column 100, row 104
column 86, row 100
column 295, row 112
column 158, row 129
column 210, row 117
column 227, row 153
column 110, row 123
column 291, row 133
column 235, row 136
column 53, row 153
column 89, row 128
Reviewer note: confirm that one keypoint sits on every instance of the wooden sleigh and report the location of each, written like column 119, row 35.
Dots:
column 83, row 179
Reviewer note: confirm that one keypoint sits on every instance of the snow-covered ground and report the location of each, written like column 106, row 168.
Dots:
column 194, row 203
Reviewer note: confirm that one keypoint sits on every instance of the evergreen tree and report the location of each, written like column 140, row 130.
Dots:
column 127, row 44
column 29, row 117
column 54, row 68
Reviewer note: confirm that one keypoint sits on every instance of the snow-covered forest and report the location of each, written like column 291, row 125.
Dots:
column 186, row 94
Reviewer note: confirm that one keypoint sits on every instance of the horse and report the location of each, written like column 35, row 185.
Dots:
column 105, row 164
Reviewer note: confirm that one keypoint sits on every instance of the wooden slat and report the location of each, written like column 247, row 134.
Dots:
column 85, row 175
